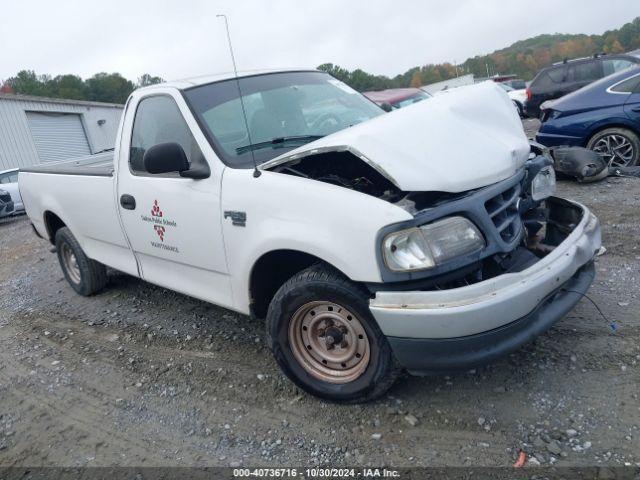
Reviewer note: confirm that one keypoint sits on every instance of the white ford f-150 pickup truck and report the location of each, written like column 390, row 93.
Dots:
column 424, row 239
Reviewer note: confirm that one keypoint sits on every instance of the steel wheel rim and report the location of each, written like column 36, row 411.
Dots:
column 70, row 263
column 329, row 342
column 617, row 150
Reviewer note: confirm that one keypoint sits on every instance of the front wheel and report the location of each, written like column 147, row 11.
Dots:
column 618, row 146
column 325, row 339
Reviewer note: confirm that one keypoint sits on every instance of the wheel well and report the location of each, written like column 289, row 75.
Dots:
column 606, row 127
column 270, row 272
column 53, row 223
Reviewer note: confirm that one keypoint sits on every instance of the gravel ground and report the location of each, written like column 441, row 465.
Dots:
column 141, row 376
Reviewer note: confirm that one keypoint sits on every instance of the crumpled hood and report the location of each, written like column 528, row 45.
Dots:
column 467, row 138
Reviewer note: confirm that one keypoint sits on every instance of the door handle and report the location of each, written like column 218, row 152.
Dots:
column 636, row 109
column 127, row 201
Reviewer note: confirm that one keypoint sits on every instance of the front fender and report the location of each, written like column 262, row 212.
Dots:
column 332, row 223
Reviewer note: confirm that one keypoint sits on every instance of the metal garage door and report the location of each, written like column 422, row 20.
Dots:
column 58, row 136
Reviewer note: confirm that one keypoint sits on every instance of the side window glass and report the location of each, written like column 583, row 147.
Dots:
column 613, row 65
column 627, row 86
column 158, row 120
column 542, row 81
column 9, row 177
column 584, row 72
column 557, row 74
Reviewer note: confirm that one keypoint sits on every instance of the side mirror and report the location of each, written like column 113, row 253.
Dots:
column 386, row 107
column 170, row 158
column 165, row 158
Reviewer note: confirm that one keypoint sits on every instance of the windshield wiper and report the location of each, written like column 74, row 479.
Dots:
column 278, row 142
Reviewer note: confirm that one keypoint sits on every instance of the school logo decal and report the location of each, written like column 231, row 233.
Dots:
column 161, row 226
column 155, row 209
column 160, row 231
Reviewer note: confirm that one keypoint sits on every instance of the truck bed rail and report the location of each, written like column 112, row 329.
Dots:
column 98, row 165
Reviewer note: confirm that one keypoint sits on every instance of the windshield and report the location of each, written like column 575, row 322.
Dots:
column 284, row 111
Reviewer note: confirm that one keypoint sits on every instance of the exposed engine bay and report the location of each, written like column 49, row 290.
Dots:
column 344, row 169
column 544, row 223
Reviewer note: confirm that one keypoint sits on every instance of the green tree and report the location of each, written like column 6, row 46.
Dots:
column 145, row 80
column 109, row 87
column 338, row 72
column 26, row 82
column 67, row 86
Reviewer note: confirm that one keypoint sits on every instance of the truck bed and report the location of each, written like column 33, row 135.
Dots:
column 80, row 193
column 98, row 165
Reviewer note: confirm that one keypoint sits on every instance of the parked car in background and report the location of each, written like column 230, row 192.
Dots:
column 562, row 78
column 9, row 183
column 603, row 116
column 6, row 204
column 397, row 97
column 516, row 83
column 518, row 97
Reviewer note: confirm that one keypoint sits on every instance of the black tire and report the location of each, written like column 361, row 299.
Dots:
column 625, row 133
column 518, row 106
column 322, row 283
column 92, row 275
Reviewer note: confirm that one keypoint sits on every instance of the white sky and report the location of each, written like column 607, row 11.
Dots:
column 176, row 39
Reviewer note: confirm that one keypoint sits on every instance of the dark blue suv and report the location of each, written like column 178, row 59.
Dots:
column 603, row 116
column 562, row 78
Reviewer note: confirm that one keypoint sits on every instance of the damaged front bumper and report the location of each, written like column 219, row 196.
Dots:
column 441, row 330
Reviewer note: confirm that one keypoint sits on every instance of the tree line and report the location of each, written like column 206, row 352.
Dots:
column 523, row 58
column 102, row 87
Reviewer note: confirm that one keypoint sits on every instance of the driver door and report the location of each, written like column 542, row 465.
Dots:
column 173, row 223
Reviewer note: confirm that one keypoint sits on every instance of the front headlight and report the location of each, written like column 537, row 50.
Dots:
column 543, row 184
column 424, row 247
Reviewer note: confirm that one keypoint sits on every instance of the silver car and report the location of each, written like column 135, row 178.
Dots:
column 9, row 183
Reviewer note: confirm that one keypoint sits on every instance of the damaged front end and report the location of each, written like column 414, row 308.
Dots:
column 487, row 258
column 534, row 266
column 511, row 221
column 348, row 168
column 486, row 232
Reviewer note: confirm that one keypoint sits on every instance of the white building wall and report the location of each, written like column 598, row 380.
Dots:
column 17, row 148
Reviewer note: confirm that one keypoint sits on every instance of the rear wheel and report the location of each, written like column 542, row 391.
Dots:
column 325, row 339
column 619, row 147
column 85, row 276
